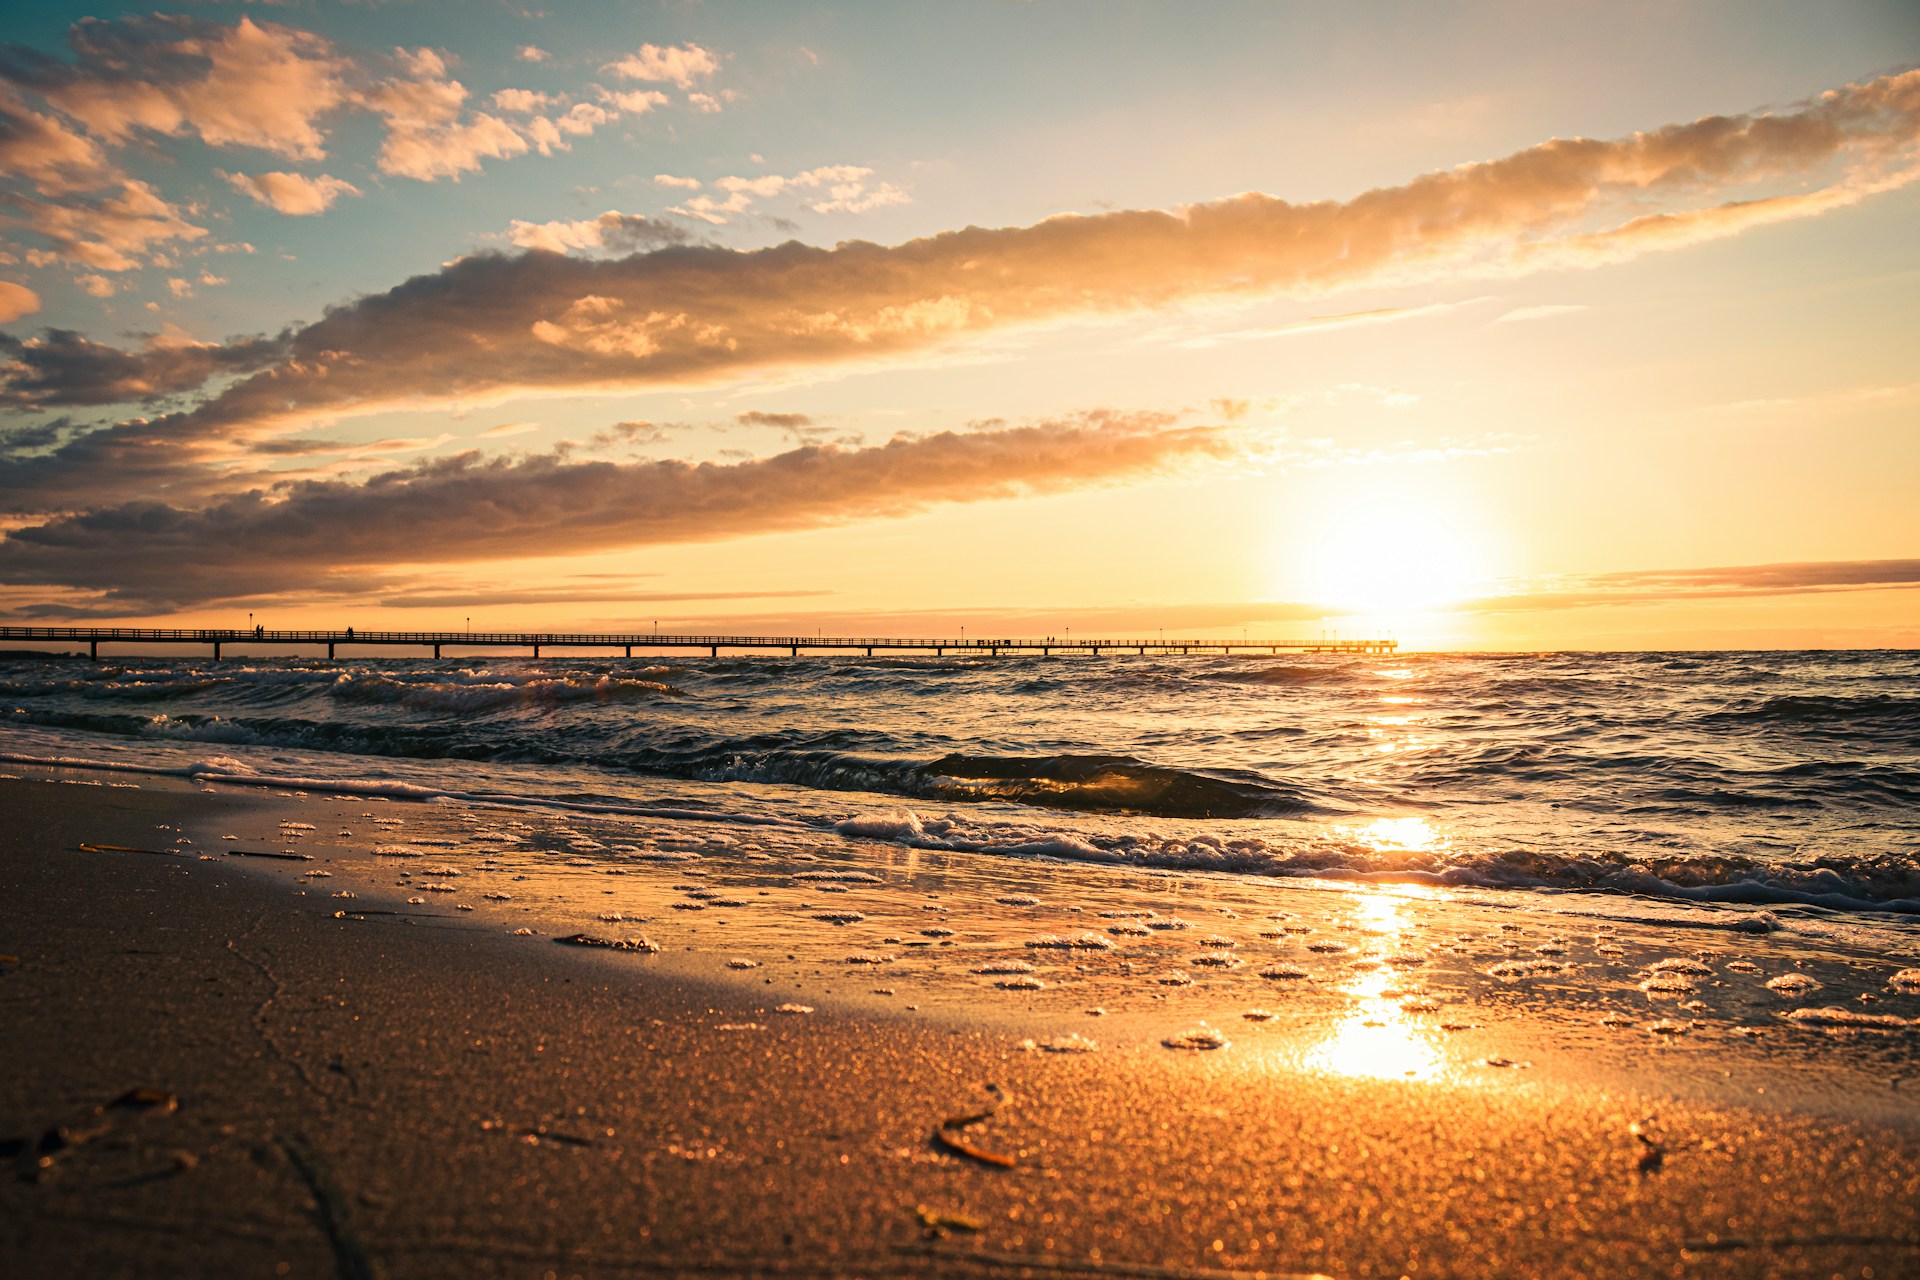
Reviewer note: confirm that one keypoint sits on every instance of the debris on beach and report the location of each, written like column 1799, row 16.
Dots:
column 1831, row 1016
column 1018, row 900
column 1259, row 1015
column 534, row 1134
column 1906, row 982
column 1166, row 922
column 1020, row 984
column 1793, row 984
column 1284, row 973
column 1069, row 1043
column 611, row 944
column 1003, row 966
column 839, row 917
column 1652, row 1154
column 743, row 964
column 1198, row 1038
column 793, row 1008
column 1129, row 930
column 947, row 1133
column 939, row 1222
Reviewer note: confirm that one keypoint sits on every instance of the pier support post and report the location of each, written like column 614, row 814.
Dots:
column 216, row 651
column 436, row 651
column 93, row 650
column 629, row 651
column 536, row 651
column 714, row 652
column 329, row 651
column 795, row 652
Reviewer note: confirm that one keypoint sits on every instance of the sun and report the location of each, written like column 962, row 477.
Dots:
column 1388, row 554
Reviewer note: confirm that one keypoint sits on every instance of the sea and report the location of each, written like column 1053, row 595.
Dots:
column 1686, row 871
column 1764, row 779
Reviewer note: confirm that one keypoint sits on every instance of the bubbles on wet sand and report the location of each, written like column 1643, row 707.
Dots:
column 1003, row 966
column 1196, row 1038
column 1020, row 984
column 1078, row 942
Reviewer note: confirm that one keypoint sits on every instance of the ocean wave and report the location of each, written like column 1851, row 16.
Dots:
column 1863, row 884
column 493, row 694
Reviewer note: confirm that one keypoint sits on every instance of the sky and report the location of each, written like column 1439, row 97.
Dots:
column 1485, row 326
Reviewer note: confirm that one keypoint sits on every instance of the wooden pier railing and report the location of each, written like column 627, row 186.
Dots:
column 536, row 641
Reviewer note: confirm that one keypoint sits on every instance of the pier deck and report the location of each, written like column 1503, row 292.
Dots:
column 220, row 639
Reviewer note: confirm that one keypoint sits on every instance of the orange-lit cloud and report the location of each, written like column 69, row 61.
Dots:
column 685, row 315
column 468, row 508
column 293, row 194
column 16, row 300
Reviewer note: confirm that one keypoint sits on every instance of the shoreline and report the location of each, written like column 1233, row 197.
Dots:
column 372, row 1098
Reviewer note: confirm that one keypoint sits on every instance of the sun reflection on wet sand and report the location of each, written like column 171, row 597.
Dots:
column 1376, row 1039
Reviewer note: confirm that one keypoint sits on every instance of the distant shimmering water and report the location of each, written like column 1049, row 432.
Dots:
column 1756, row 778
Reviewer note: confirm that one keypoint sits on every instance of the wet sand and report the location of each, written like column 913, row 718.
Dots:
column 372, row 1097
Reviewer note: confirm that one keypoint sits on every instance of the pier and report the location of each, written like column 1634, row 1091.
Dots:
column 538, row 642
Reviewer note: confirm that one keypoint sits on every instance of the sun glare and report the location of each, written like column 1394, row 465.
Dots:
column 1390, row 559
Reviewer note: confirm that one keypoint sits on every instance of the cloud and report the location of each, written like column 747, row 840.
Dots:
column 1314, row 324
column 1545, row 312
column 533, row 53
column 95, row 286
column 684, row 184
column 16, row 300
column 108, row 233
column 522, row 101
column 844, row 189
column 465, row 508
column 784, row 421
column 681, row 65
column 251, row 84
column 1728, row 582
column 291, row 193
column 620, row 232
column 636, row 102
column 551, row 134
column 63, row 368
column 441, row 598
column 40, row 150
column 491, row 327
column 509, row 429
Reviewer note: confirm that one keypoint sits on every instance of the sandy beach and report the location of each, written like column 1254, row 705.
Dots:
column 350, row 1093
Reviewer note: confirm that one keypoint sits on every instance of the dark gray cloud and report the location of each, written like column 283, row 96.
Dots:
column 61, row 367
column 321, row 535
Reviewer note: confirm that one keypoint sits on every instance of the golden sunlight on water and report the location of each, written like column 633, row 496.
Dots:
column 1411, row 835
column 1375, row 1039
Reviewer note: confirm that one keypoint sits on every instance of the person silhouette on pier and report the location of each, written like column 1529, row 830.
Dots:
column 349, row 633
